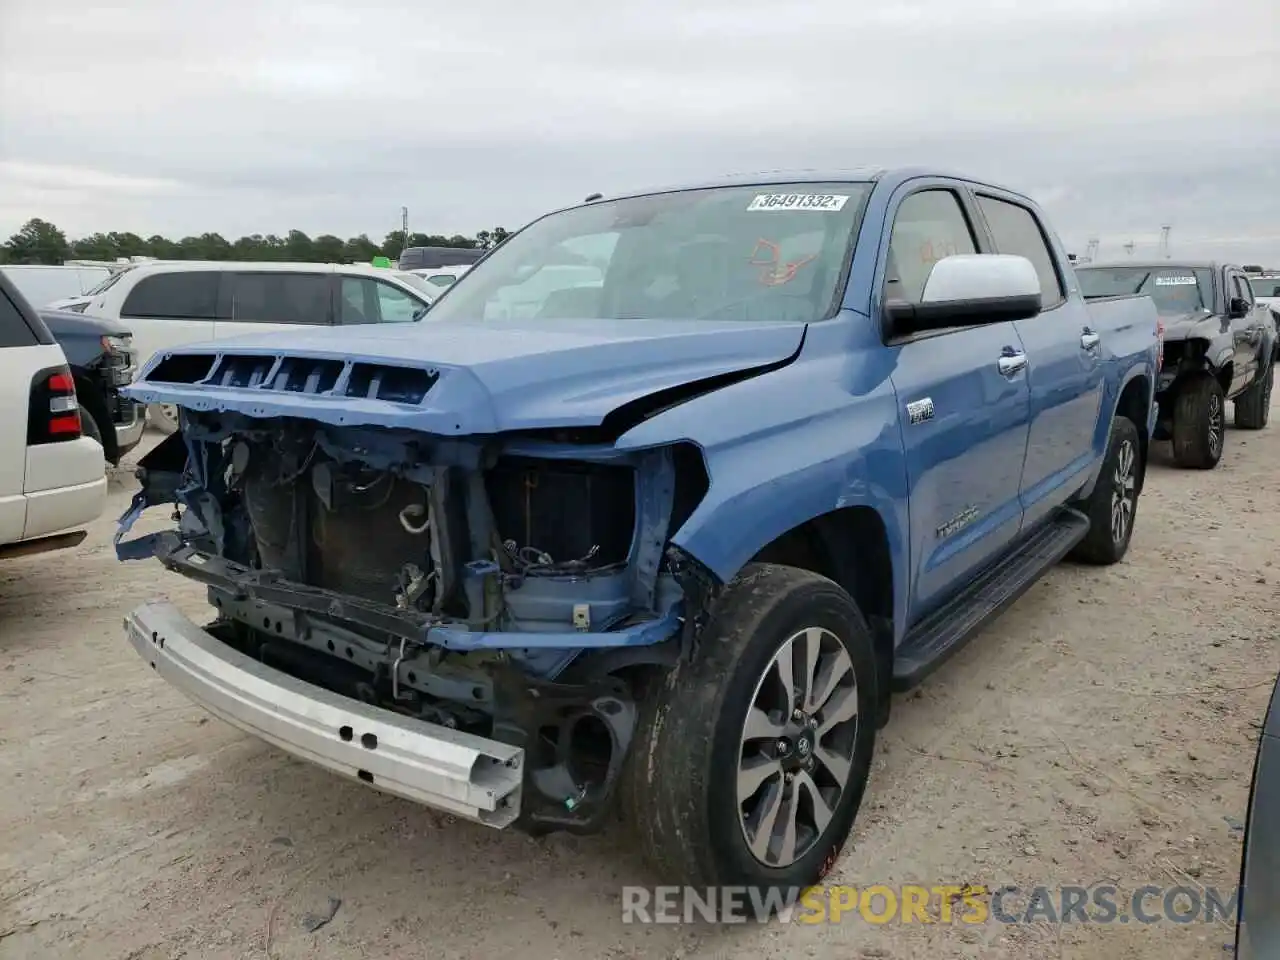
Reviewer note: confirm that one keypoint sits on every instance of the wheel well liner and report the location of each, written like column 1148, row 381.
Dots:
column 850, row 546
column 1133, row 405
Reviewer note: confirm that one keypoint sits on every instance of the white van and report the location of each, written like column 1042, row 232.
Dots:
column 174, row 303
column 52, row 477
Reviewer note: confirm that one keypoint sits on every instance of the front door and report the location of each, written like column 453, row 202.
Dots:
column 964, row 407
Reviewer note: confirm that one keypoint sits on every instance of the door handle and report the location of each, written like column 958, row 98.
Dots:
column 1011, row 363
column 1089, row 340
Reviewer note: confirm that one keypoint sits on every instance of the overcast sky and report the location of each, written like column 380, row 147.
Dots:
column 258, row 116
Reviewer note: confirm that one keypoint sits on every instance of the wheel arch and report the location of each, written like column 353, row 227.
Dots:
column 90, row 400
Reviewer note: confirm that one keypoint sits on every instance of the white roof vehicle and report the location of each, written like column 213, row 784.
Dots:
column 52, row 477
column 1266, row 288
column 42, row 284
column 174, row 303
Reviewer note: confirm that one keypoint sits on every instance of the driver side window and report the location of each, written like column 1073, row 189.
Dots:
column 928, row 226
column 1243, row 290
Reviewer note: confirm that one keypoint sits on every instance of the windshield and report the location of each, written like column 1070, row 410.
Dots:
column 766, row 253
column 415, row 281
column 1265, row 286
column 1175, row 290
column 105, row 284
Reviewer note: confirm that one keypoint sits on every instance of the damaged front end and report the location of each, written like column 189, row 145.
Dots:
column 514, row 590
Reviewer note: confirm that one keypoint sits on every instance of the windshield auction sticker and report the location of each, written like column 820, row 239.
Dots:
column 798, row 201
column 1175, row 281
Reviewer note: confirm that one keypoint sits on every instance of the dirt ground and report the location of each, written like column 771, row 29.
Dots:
column 1103, row 731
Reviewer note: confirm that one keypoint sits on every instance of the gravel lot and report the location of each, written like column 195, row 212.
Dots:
column 1102, row 731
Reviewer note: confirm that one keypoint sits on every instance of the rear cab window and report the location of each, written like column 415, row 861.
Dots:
column 1015, row 230
column 186, row 295
column 14, row 330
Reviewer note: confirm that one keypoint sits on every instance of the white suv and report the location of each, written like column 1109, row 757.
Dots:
column 172, row 303
column 52, row 478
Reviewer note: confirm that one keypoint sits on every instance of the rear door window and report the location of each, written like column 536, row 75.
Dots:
column 190, row 295
column 271, row 297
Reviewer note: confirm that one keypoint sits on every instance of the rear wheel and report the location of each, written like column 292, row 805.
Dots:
column 750, row 761
column 1253, row 407
column 1112, row 508
column 1199, row 423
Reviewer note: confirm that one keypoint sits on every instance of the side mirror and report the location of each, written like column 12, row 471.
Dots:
column 1237, row 307
column 970, row 290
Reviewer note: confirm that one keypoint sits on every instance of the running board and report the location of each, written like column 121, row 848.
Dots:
column 930, row 642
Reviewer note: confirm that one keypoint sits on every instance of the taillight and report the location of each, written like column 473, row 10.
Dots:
column 1159, row 345
column 53, row 413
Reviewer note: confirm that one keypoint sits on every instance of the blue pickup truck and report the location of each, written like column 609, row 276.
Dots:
column 664, row 542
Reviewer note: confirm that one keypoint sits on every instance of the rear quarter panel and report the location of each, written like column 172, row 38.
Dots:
column 18, row 365
column 1130, row 352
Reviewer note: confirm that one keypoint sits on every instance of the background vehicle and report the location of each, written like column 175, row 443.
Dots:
column 167, row 304
column 1219, row 345
column 52, row 478
column 441, row 277
column 42, row 284
column 434, row 258
column 1258, row 929
column 100, row 355
column 673, row 548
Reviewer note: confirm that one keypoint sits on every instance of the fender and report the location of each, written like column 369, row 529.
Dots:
column 790, row 446
column 1110, row 403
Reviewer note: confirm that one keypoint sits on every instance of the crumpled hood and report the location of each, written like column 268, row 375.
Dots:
column 1183, row 325
column 459, row 378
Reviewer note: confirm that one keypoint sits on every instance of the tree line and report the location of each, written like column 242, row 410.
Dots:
column 41, row 242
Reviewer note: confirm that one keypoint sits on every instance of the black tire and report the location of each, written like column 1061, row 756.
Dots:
column 1198, row 423
column 682, row 790
column 1119, row 483
column 1253, row 407
column 89, row 428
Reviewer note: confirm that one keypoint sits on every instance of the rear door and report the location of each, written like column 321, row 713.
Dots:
column 263, row 301
column 170, row 309
column 1065, row 375
column 963, row 407
column 1248, row 333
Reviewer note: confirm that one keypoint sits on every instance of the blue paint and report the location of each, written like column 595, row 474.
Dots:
column 823, row 431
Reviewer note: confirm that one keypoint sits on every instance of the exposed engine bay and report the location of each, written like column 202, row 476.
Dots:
column 516, row 588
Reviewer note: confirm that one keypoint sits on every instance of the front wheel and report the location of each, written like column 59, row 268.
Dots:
column 750, row 761
column 1199, row 423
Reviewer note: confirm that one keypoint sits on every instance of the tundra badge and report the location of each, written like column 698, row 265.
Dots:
column 918, row 411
